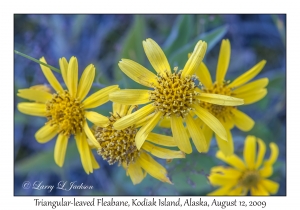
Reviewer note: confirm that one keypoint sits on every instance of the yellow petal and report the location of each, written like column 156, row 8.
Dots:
column 226, row 172
column 153, row 168
column 208, row 133
column 271, row 186
column 274, row 154
column 143, row 121
column 259, row 190
column 35, row 95
column 162, row 152
column 223, row 62
column 224, row 190
column 236, row 191
column 90, row 135
column 242, row 121
column 100, row 97
column 250, row 151
column 138, row 73
column 250, row 98
column 86, row 81
column 219, row 179
column 63, row 64
column 211, row 121
column 196, row 134
column 195, row 59
column 131, row 108
column 73, row 76
column 220, row 99
column 131, row 119
column 130, row 96
column 250, row 74
column 46, row 133
column 227, row 147
column 266, row 171
column 180, row 135
column 144, row 131
column 117, row 108
column 96, row 118
column 50, row 76
column 34, row 109
column 156, row 57
column 261, row 153
column 44, row 88
column 252, row 86
column 60, row 149
column 161, row 139
column 228, row 123
column 135, row 172
column 120, row 109
column 94, row 161
column 232, row 160
column 165, row 123
column 84, row 152
column 204, row 76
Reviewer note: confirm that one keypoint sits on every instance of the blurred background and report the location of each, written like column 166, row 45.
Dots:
column 103, row 40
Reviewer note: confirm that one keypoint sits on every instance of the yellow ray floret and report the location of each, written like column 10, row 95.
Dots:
column 173, row 95
column 66, row 110
column 247, row 92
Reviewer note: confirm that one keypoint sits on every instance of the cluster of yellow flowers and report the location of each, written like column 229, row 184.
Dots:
column 187, row 101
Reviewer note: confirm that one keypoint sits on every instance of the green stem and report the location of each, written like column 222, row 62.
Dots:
column 37, row 61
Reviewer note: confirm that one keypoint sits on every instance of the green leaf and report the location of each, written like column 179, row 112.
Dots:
column 179, row 57
column 277, row 81
column 189, row 176
column 181, row 33
column 132, row 48
column 44, row 161
column 37, row 61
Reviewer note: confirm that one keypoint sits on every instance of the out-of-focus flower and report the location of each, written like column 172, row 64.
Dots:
column 119, row 146
column 66, row 110
column 174, row 96
column 250, row 174
column 230, row 116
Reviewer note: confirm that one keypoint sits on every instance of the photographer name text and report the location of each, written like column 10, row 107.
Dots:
column 61, row 185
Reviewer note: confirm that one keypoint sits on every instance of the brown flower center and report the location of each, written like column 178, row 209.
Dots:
column 249, row 179
column 174, row 94
column 117, row 145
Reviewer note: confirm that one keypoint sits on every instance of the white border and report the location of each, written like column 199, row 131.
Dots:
column 8, row 8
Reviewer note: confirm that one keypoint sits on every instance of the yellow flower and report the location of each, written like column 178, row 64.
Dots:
column 66, row 110
column 229, row 115
column 249, row 175
column 173, row 96
column 119, row 146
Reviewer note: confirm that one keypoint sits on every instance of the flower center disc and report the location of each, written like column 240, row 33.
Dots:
column 117, row 145
column 174, row 94
column 65, row 112
column 250, row 179
column 220, row 112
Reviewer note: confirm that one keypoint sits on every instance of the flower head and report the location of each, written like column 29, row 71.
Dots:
column 118, row 146
column 174, row 95
column 230, row 116
column 66, row 110
column 250, row 174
